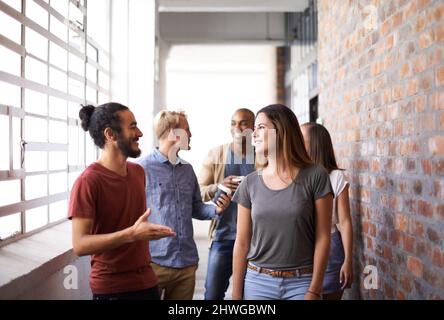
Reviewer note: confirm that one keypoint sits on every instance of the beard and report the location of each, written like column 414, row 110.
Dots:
column 125, row 146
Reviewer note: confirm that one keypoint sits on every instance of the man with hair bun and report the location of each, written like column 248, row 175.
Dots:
column 108, row 209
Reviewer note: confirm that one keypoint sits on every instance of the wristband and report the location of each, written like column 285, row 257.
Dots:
column 315, row 293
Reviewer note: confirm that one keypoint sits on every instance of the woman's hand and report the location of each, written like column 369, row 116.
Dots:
column 346, row 275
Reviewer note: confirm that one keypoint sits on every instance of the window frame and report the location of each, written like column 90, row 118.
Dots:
column 19, row 111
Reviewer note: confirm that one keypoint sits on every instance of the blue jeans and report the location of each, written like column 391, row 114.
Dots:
column 220, row 269
column 260, row 286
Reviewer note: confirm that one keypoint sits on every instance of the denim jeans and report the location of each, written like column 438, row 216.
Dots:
column 220, row 269
column 260, row 286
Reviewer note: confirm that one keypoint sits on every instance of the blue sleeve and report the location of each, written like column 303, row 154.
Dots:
column 201, row 210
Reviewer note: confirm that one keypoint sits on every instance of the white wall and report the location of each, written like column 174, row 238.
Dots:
column 132, row 64
column 210, row 82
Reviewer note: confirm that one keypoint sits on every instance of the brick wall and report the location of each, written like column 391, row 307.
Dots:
column 382, row 98
column 280, row 74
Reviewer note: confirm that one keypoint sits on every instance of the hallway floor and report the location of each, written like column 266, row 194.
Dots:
column 200, row 236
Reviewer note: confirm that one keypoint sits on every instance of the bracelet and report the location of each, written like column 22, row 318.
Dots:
column 315, row 293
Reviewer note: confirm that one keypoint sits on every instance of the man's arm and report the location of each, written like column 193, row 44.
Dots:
column 85, row 243
column 204, row 211
column 208, row 186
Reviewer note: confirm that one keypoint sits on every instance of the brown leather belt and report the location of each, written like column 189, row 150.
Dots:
column 282, row 273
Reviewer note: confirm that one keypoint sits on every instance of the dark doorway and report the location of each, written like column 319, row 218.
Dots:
column 314, row 109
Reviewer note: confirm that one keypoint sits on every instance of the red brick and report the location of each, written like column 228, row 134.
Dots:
column 423, row 248
column 411, row 165
column 438, row 257
column 417, row 187
column 433, row 235
column 438, row 12
column 424, row 208
column 427, row 122
column 398, row 93
column 384, row 28
column 399, row 295
column 440, row 211
column 387, row 96
column 401, row 222
column 436, row 145
column 405, row 282
column 389, row 43
column 422, row 4
column 430, row 276
column 380, row 182
column 409, row 243
column 426, row 82
column 412, row 87
column 402, row 187
column 441, row 120
column 435, row 57
column 439, row 32
column 439, row 167
column 396, row 20
column 420, row 23
column 388, row 253
column 408, row 147
column 395, row 238
column 411, row 205
column 404, row 71
column 410, row 10
column 388, row 291
column 440, row 76
column 426, row 39
column 420, row 63
column 437, row 100
column 369, row 243
column 372, row 229
column 438, row 189
column 415, row 266
column 417, row 228
column 375, row 68
column 375, row 165
column 426, row 166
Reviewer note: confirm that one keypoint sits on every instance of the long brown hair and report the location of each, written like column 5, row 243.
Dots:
column 289, row 139
column 321, row 147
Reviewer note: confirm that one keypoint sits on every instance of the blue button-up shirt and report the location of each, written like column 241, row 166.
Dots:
column 173, row 194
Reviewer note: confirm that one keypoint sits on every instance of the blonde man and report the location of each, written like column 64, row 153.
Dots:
column 173, row 190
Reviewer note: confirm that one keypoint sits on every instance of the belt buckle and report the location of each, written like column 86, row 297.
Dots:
column 298, row 272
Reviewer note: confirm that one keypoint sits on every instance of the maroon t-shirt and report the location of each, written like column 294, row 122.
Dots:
column 114, row 203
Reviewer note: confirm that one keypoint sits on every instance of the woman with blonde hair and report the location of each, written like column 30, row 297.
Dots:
column 339, row 272
column 284, row 215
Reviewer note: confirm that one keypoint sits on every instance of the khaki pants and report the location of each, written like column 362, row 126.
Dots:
column 176, row 283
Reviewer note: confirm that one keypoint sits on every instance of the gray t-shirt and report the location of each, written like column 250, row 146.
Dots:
column 283, row 221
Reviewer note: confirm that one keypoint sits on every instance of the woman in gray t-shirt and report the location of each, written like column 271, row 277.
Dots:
column 284, row 215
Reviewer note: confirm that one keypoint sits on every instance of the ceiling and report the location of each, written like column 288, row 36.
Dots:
column 232, row 5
